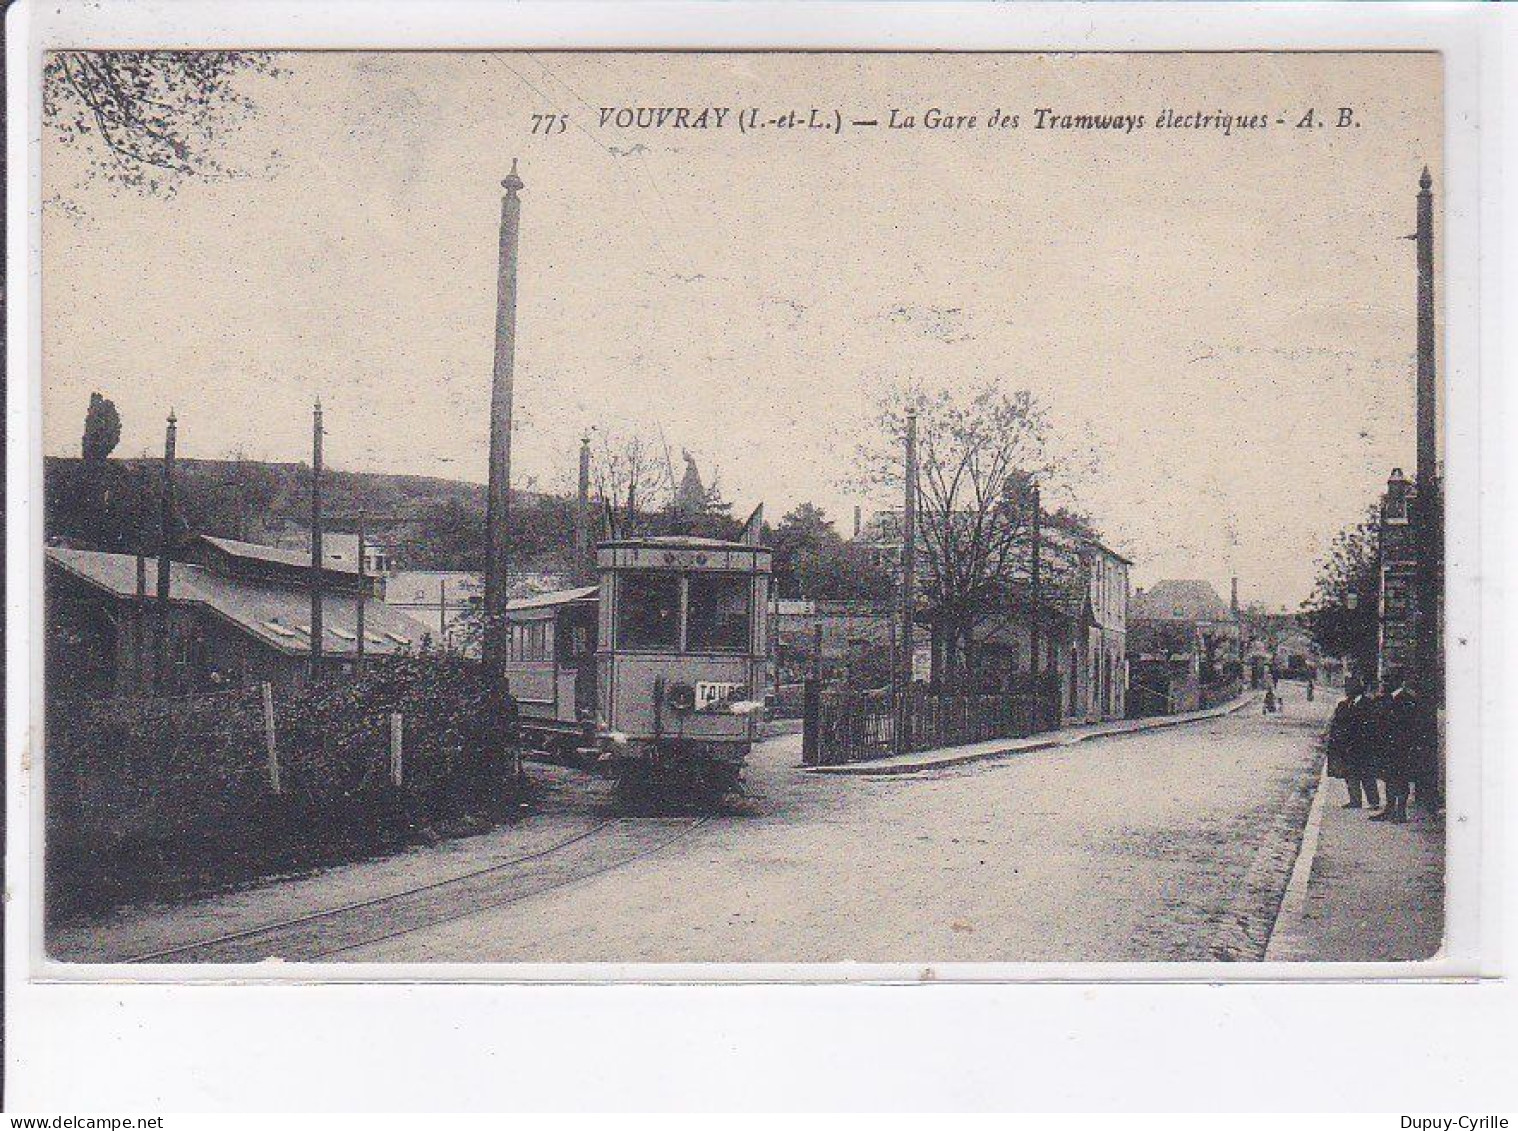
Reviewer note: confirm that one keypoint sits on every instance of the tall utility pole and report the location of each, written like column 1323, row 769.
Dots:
column 498, row 505
column 316, row 540
column 1036, row 577
column 165, row 553
column 584, row 557
column 908, row 583
column 1429, row 512
column 363, row 593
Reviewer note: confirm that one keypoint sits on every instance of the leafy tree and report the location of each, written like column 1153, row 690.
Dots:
column 1341, row 613
column 149, row 118
column 448, row 535
column 812, row 560
column 102, row 429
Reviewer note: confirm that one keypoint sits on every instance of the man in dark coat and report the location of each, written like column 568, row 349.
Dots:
column 1348, row 747
column 1398, row 716
column 1412, row 739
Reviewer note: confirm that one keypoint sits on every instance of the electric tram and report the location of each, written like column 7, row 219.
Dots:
column 657, row 672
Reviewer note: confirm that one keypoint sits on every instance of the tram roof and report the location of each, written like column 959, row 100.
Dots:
column 559, row 597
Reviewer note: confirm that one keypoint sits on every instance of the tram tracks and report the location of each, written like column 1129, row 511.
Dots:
column 341, row 930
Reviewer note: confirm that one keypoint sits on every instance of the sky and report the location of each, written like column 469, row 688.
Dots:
column 1226, row 319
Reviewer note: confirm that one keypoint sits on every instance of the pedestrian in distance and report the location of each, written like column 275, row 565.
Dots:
column 1348, row 749
column 1309, row 686
column 1269, row 705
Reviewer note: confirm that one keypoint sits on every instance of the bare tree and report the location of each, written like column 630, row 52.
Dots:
column 979, row 455
column 633, row 481
column 150, row 117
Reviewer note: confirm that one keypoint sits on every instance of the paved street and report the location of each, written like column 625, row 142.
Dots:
column 1174, row 844
column 1133, row 848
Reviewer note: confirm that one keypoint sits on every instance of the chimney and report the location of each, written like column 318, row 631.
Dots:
column 858, row 520
column 498, row 505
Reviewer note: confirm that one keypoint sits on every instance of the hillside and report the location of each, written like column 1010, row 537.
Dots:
column 428, row 522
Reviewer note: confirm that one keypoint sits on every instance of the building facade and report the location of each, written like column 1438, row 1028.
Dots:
column 1181, row 637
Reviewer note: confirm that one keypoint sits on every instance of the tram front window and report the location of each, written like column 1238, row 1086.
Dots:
column 648, row 614
column 718, row 611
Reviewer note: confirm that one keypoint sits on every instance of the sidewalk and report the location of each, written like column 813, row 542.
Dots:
column 999, row 747
column 1362, row 890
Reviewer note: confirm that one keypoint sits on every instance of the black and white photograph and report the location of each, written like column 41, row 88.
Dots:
column 757, row 556
column 623, row 507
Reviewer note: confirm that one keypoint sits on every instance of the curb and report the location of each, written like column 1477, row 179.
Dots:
column 1253, row 915
column 1028, row 746
column 1294, row 899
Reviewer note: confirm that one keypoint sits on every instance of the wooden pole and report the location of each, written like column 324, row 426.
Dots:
column 270, row 739
column 584, row 556
column 139, row 636
column 908, row 580
column 316, row 540
column 165, row 555
column 397, row 730
column 363, row 586
column 498, row 498
column 1035, row 631
column 1428, row 514
column 442, row 612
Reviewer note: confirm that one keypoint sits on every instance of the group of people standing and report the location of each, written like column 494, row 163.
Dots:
column 1384, row 736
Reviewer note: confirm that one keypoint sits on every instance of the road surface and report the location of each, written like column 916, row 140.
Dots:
column 1172, row 844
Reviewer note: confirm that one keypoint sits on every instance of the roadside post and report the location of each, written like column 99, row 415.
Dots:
column 397, row 730
column 270, row 740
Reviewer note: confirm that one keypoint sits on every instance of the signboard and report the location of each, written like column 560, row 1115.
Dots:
column 711, row 694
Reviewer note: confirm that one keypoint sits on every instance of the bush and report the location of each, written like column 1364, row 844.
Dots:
column 168, row 796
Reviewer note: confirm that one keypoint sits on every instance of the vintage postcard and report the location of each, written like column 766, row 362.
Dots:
column 743, row 507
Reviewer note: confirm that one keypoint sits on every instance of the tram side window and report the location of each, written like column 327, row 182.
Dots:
column 648, row 611
column 529, row 641
column 718, row 612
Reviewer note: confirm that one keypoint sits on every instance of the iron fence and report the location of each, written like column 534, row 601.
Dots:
column 842, row 725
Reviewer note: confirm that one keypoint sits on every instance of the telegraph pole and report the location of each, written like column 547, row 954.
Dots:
column 498, row 503
column 165, row 552
column 363, row 592
column 584, row 557
column 1036, row 576
column 316, row 540
column 1429, row 512
column 908, row 583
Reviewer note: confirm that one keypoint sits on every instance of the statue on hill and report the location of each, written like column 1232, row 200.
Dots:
column 691, row 495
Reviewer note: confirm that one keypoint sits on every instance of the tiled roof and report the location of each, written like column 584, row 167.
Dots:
column 279, row 616
column 1187, row 600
